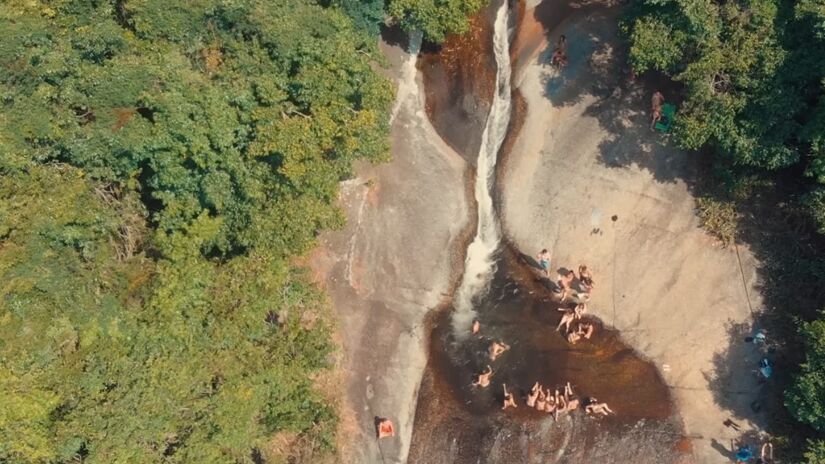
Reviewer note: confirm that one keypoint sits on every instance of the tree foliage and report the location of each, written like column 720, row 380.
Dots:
column 753, row 79
column 160, row 163
column 435, row 18
column 806, row 399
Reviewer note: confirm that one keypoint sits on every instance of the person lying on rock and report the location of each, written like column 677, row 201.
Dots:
column 595, row 407
column 509, row 401
column 385, row 429
column 541, row 400
column 550, row 402
column 571, row 400
column 496, row 349
column 483, row 379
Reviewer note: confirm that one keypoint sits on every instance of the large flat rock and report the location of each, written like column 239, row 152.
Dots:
column 584, row 155
column 392, row 264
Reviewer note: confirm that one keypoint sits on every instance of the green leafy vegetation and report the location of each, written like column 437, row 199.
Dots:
column 718, row 217
column 434, row 18
column 752, row 79
column 161, row 164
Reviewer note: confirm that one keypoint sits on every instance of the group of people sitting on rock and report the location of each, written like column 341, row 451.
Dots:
column 554, row 403
column 580, row 287
column 575, row 328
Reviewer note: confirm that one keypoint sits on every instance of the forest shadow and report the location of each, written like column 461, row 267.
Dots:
column 734, row 380
column 597, row 71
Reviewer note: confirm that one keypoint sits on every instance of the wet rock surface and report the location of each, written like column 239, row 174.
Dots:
column 459, row 78
column 392, row 264
column 587, row 178
column 457, row 422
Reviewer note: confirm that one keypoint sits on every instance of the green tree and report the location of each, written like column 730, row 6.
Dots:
column 435, row 18
column 806, row 399
column 162, row 162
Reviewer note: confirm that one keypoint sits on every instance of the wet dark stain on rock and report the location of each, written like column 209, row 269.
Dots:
column 458, row 423
column 459, row 79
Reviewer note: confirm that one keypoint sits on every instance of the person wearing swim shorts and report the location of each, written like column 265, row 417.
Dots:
column 544, row 261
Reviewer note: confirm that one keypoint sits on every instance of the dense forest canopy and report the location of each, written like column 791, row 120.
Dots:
column 161, row 163
column 753, row 88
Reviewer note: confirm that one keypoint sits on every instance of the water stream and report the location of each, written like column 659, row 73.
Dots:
column 479, row 264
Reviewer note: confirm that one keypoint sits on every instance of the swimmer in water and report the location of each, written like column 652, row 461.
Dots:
column 483, row 378
column 496, row 349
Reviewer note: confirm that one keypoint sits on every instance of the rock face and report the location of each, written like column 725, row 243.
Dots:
column 393, row 263
column 589, row 180
column 459, row 77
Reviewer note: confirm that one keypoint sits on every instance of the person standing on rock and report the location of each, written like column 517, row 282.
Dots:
column 656, row 103
column 544, row 261
column 585, row 279
column 509, row 401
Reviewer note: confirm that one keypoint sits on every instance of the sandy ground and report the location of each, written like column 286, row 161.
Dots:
column 390, row 266
column 584, row 156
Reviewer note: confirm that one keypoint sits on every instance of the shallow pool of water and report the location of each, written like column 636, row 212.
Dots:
column 458, row 423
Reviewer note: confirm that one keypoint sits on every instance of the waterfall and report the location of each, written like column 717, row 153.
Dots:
column 480, row 261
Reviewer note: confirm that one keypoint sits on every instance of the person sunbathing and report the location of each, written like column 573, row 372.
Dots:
column 496, row 349
column 570, row 399
column 385, row 428
column 586, row 329
column 533, row 395
column 585, row 279
column 550, row 403
column 509, row 401
column 541, row 400
column 594, row 407
column 483, row 379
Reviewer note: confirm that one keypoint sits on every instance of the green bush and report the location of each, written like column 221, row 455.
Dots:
column 719, row 218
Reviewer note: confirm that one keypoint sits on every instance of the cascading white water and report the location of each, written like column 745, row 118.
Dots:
column 480, row 260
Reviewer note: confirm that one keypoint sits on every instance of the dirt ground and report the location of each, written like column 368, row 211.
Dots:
column 589, row 180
